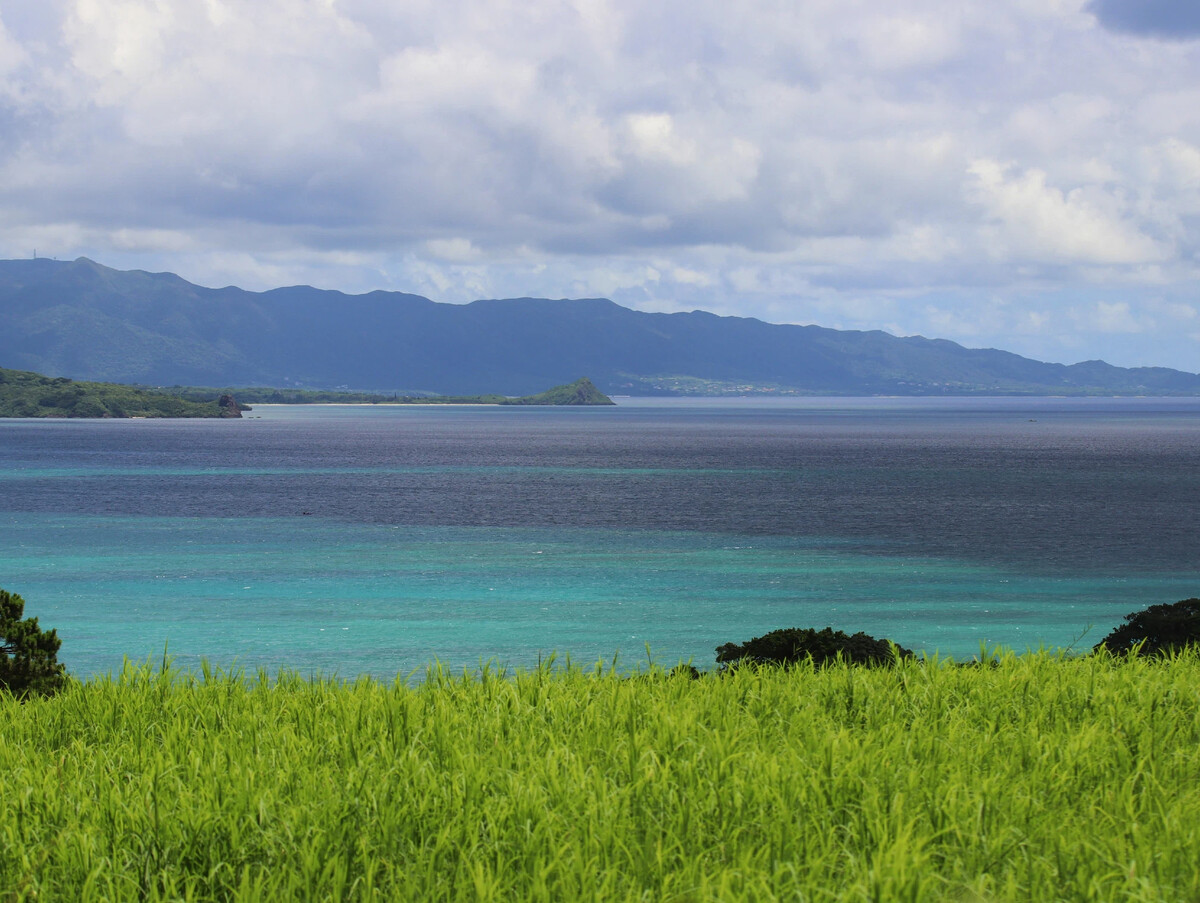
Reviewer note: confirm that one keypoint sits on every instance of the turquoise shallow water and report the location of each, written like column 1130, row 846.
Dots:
column 374, row 540
column 350, row 599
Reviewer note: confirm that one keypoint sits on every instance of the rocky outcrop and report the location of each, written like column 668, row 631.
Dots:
column 582, row 391
column 229, row 407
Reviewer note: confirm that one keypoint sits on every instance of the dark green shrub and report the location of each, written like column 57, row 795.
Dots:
column 1160, row 629
column 28, row 656
column 795, row 644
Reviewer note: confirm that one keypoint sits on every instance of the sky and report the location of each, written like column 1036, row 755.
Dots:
column 1017, row 174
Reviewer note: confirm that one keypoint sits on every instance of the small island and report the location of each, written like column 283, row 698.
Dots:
column 581, row 392
column 26, row 394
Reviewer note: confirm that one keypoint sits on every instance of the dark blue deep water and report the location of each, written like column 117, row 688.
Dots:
column 348, row 540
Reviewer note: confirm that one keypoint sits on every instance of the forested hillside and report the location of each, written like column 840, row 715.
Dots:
column 86, row 321
column 24, row 394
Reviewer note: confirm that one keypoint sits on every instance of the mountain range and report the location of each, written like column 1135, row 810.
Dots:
column 86, row 321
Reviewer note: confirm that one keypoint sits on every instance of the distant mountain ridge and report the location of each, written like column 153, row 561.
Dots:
column 86, row 321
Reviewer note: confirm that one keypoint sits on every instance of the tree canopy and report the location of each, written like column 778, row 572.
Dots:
column 28, row 655
column 794, row 644
column 1159, row 629
column 25, row 394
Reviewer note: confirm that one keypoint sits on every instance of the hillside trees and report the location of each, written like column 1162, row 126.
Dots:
column 25, row 394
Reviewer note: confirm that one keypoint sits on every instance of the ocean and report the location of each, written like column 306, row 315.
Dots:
column 351, row 540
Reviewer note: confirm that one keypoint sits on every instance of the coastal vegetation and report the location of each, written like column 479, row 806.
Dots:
column 820, row 647
column 269, row 395
column 580, row 392
column 25, row 394
column 28, row 655
column 1039, row 778
column 1157, row 630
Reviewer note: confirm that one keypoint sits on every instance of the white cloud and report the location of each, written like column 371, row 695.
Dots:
column 1174, row 310
column 605, row 281
column 448, row 78
column 952, row 324
column 153, row 240
column 1181, row 164
column 1033, row 322
column 119, row 44
column 899, row 41
column 653, row 136
column 454, row 250
column 1113, row 317
column 1031, row 220
column 12, row 55
column 691, row 277
column 1062, row 124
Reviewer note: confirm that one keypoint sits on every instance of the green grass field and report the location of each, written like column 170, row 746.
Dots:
column 1041, row 778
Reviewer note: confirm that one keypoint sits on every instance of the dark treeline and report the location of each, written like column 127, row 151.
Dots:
column 25, row 394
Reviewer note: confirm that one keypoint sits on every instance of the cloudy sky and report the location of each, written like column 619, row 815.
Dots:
column 1022, row 174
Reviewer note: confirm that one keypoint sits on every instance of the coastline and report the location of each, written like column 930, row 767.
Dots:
column 389, row 404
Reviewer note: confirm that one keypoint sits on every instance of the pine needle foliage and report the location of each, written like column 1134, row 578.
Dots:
column 1041, row 778
column 28, row 655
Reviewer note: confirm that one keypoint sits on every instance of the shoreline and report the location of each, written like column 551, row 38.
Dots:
column 255, row 405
